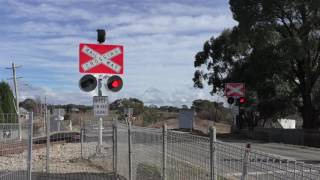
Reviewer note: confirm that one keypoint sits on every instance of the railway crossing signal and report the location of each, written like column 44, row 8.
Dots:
column 239, row 101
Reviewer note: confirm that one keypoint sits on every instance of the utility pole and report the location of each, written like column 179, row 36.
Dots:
column 16, row 91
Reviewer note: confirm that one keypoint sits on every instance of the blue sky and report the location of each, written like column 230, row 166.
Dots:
column 160, row 39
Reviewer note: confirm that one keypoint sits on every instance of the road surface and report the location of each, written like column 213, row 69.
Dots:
column 305, row 154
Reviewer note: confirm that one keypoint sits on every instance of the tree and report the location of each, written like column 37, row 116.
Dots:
column 296, row 25
column 274, row 50
column 121, row 104
column 150, row 115
column 1, row 116
column 29, row 105
column 212, row 111
column 184, row 106
column 6, row 98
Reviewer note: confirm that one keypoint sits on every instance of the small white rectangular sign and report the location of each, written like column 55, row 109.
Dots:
column 100, row 106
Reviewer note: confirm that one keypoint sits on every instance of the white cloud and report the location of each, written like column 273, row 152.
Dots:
column 160, row 39
column 43, row 10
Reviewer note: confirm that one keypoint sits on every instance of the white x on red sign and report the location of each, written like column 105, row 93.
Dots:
column 234, row 89
column 107, row 59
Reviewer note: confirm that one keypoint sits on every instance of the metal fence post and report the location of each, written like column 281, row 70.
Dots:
column 213, row 174
column 164, row 151
column 29, row 161
column 115, row 146
column 100, row 132
column 130, row 151
column 245, row 162
column 48, row 140
column 81, row 137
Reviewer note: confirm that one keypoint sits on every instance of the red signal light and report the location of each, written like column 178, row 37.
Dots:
column 114, row 83
column 242, row 100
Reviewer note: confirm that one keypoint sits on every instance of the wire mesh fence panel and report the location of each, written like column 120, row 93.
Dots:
column 146, row 153
column 265, row 166
column 122, row 151
column 236, row 162
column 13, row 150
column 100, row 156
column 229, row 160
column 57, row 151
column 188, row 156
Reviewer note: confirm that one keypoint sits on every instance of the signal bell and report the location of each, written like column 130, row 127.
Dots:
column 114, row 83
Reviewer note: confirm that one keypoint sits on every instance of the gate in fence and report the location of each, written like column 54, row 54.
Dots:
column 133, row 153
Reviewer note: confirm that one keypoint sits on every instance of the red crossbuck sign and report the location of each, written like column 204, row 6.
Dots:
column 98, row 58
column 234, row 89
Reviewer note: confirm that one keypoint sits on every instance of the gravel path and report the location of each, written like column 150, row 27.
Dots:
column 64, row 158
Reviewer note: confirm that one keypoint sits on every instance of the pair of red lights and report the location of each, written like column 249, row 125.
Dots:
column 240, row 100
column 89, row 82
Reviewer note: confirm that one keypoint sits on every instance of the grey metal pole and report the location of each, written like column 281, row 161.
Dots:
column 116, row 147
column 113, row 147
column 48, row 137
column 16, row 91
column 81, row 136
column 245, row 162
column 99, row 148
column 43, row 114
column 130, row 151
column 115, row 158
column 213, row 174
column 164, row 151
column 29, row 161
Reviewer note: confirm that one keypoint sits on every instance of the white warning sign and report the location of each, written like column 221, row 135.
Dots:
column 100, row 106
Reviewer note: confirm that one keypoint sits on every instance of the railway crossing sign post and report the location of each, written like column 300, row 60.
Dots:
column 234, row 91
column 103, row 60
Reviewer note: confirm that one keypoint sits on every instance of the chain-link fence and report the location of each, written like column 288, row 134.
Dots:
column 45, row 153
column 14, row 161
column 145, row 153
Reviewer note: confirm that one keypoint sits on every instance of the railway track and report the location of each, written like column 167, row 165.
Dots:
column 17, row 147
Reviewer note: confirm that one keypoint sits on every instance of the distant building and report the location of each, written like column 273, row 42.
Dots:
column 186, row 119
column 58, row 112
column 23, row 110
column 287, row 123
column 23, row 113
column 75, row 109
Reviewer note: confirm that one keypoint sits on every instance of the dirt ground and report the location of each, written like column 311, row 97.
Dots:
column 64, row 158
